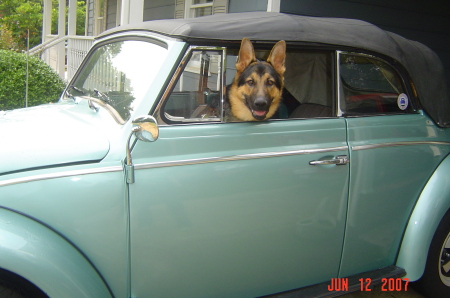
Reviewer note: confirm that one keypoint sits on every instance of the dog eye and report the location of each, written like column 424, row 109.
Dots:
column 270, row 82
column 250, row 82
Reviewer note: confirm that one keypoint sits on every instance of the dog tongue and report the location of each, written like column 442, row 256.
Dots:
column 259, row 113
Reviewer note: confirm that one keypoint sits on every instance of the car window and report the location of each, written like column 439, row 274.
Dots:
column 118, row 75
column 196, row 95
column 308, row 91
column 371, row 86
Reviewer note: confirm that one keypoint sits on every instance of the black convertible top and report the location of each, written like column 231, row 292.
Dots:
column 423, row 65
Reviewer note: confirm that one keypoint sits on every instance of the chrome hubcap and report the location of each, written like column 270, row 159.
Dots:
column 444, row 264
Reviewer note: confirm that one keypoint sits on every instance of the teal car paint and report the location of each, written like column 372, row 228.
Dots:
column 93, row 222
column 233, row 227
column 433, row 202
column 58, row 137
column 381, row 202
column 134, row 184
column 37, row 253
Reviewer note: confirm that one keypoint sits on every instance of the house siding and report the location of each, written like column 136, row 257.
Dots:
column 111, row 14
column 158, row 9
column 247, row 5
column 90, row 18
column 423, row 21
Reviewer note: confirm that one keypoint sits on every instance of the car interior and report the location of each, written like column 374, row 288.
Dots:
column 369, row 86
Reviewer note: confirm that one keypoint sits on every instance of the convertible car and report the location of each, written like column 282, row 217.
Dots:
column 134, row 185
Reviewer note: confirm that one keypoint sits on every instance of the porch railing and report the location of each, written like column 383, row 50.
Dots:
column 77, row 49
column 64, row 54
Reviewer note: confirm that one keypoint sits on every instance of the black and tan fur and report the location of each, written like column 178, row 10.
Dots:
column 255, row 93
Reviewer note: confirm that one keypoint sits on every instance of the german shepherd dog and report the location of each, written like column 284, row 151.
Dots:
column 255, row 93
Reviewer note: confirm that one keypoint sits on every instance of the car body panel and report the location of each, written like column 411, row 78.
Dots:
column 57, row 135
column 209, row 211
column 401, row 151
column 87, row 206
column 433, row 203
column 85, row 198
column 39, row 254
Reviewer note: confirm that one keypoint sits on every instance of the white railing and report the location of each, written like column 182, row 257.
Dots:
column 77, row 49
column 64, row 54
column 50, row 40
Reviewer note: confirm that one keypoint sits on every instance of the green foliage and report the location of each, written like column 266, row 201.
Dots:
column 6, row 38
column 19, row 16
column 81, row 17
column 44, row 84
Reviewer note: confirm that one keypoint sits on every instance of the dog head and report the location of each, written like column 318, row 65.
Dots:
column 255, row 94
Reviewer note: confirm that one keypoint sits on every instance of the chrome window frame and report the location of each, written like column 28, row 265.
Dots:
column 173, row 81
column 118, row 37
column 405, row 84
column 339, row 111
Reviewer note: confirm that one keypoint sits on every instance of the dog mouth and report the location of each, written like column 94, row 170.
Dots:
column 259, row 115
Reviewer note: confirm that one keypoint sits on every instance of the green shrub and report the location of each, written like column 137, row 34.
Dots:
column 44, row 85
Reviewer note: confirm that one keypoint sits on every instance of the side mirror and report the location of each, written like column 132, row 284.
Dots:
column 145, row 129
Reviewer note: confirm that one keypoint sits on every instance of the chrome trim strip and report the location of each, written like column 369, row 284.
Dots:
column 234, row 158
column 223, row 90
column 394, row 144
column 61, row 175
column 168, row 164
column 338, row 83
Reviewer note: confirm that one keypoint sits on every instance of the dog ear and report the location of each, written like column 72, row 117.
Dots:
column 246, row 55
column 278, row 56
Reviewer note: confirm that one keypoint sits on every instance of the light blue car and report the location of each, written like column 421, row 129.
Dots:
column 133, row 185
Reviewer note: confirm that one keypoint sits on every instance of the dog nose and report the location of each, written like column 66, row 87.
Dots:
column 260, row 102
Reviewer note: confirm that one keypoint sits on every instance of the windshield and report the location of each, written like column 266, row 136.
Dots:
column 118, row 75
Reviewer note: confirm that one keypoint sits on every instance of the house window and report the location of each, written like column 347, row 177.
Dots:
column 199, row 8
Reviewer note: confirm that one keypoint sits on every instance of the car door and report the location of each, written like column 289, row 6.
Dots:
column 234, row 209
column 394, row 151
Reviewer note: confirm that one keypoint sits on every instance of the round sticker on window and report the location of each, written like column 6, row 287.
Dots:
column 402, row 101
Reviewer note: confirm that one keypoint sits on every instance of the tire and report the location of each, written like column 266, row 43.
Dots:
column 14, row 286
column 7, row 291
column 435, row 281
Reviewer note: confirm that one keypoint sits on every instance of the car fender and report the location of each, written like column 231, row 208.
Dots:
column 433, row 203
column 50, row 262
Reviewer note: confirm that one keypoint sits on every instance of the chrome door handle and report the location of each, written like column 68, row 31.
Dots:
column 338, row 160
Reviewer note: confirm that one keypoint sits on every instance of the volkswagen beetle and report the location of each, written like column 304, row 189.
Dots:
column 130, row 187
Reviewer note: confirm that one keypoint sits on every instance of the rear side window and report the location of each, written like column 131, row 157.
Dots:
column 371, row 86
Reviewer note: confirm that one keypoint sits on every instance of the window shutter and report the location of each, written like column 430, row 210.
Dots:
column 179, row 9
column 220, row 6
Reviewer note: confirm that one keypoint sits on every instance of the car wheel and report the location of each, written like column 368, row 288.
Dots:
column 13, row 286
column 8, row 292
column 435, row 281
